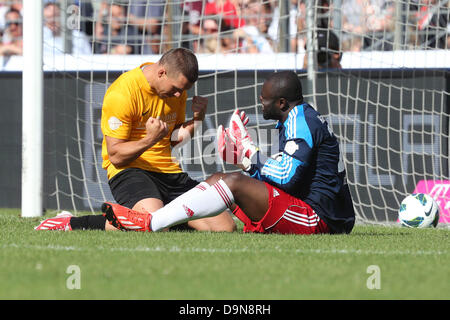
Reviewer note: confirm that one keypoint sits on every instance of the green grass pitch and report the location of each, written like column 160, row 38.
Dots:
column 372, row 262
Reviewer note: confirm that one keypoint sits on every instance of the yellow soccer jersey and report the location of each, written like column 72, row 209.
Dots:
column 127, row 105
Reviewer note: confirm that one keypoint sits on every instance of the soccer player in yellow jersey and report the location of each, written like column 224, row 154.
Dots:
column 143, row 118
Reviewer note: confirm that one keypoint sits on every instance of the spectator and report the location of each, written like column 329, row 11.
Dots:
column 265, row 17
column 113, row 35
column 323, row 14
column 431, row 22
column 298, row 43
column 373, row 20
column 12, row 36
column 448, row 33
column 193, row 10
column 294, row 14
column 380, row 24
column 353, row 24
column 228, row 16
column 329, row 54
column 4, row 7
column 83, row 9
column 87, row 15
column 148, row 16
column 227, row 10
column 17, row 5
column 54, row 38
column 210, row 42
column 252, row 33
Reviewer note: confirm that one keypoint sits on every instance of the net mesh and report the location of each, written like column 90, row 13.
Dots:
column 376, row 69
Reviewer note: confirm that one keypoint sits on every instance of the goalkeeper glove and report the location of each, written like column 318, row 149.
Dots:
column 238, row 133
column 226, row 147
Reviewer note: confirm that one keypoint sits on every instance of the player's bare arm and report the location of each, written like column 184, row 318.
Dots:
column 122, row 152
column 185, row 131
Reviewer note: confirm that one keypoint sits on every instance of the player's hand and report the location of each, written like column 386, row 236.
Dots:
column 234, row 153
column 242, row 139
column 226, row 148
column 156, row 130
column 199, row 106
column 238, row 123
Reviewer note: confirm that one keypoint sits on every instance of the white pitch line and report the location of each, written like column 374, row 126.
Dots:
column 225, row 250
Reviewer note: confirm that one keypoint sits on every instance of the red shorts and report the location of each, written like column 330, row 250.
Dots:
column 286, row 214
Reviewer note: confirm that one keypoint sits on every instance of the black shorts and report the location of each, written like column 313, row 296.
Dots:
column 131, row 185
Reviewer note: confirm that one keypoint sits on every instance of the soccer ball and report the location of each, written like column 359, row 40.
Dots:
column 419, row 210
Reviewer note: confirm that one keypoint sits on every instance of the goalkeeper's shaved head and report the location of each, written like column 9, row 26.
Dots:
column 281, row 92
column 285, row 84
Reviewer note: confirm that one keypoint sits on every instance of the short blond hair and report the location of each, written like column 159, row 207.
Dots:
column 181, row 60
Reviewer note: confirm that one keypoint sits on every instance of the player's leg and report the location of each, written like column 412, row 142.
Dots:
column 180, row 185
column 131, row 188
column 193, row 205
column 264, row 207
column 67, row 222
column 136, row 189
column 223, row 222
column 99, row 222
column 148, row 205
column 225, row 190
column 249, row 194
column 285, row 214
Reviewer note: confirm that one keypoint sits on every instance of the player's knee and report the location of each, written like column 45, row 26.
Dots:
column 225, row 225
column 233, row 180
column 214, row 178
column 220, row 223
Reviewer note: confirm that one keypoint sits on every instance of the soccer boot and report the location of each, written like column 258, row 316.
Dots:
column 60, row 222
column 126, row 219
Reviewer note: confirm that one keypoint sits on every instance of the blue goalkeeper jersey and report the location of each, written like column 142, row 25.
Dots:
column 309, row 167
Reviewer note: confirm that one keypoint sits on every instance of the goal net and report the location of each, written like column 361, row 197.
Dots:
column 378, row 70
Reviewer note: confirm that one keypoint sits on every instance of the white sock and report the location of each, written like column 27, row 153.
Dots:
column 161, row 221
column 202, row 186
column 194, row 204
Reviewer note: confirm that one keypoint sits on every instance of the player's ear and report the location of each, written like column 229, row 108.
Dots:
column 161, row 72
column 284, row 105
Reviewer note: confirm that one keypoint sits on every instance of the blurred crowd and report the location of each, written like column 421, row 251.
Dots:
column 227, row 26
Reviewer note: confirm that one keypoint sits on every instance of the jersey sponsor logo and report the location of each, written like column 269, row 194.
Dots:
column 114, row 123
column 170, row 117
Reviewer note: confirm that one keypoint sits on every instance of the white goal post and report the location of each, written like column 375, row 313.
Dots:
column 32, row 111
column 388, row 101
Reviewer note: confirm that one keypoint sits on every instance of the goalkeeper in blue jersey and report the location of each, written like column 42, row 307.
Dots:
column 301, row 191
